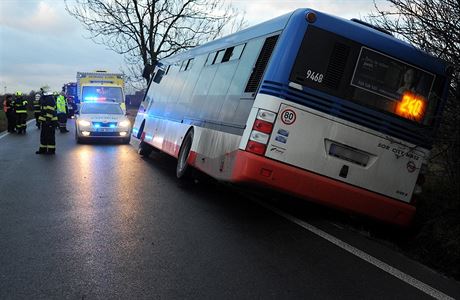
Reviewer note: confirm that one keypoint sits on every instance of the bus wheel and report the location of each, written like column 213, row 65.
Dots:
column 144, row 149
column 184, row 152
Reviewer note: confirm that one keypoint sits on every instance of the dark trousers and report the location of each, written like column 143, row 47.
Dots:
column 21, row 125
column 11, row 119
column 36, row 115
column 62, row 121
column 47, row 139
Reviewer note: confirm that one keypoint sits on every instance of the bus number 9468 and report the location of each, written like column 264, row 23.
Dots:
column 314, row 76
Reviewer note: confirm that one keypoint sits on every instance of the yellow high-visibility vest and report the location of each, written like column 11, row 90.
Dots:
column 61, row 104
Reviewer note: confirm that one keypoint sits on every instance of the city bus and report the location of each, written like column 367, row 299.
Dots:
column 334, row 111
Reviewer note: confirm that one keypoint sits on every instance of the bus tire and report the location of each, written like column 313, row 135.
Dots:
column 144, row 149
column 184, row 152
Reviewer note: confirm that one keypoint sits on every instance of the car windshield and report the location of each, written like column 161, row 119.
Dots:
column 102, row 93
column 101, row 108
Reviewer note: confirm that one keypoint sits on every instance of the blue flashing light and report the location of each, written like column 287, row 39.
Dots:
column 113, row 125
column 135, row 131
column 91, row 98
column 97, row 125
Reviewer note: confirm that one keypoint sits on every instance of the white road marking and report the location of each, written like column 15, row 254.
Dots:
column 7, row 133
column 361, row 254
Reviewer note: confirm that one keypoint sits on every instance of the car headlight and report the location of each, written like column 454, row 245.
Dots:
column 124, row 123
column 84, row 123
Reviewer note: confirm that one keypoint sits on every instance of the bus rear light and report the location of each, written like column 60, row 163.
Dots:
column 263, row 126
column 266, row 115
column 256, row 147
column 259, row 137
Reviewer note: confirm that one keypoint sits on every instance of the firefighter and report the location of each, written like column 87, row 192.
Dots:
column 61, row 109
column 48, row 122
column 8, row 108
column 36, row 105
column 20, row 107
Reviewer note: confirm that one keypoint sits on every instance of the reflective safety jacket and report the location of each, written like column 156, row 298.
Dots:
column 37, row 103
column 48, row 111
column 20, row 105
column 61, row 104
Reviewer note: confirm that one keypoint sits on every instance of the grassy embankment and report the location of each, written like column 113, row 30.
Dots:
column 435, row 238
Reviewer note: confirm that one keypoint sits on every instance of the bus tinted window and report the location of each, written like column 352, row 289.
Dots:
column 210, row 59
column 237, row 51
column 219, row 57
column 189, row 64
column 228, row 54
column 346, row 69
column 158, row 76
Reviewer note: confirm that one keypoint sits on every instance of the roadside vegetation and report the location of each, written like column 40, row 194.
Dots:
column 433, row 26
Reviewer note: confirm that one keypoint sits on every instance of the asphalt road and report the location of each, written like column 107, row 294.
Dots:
column 96, row 221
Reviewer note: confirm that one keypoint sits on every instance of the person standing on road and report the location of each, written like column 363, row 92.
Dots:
column 61, row 105
column 8, row 108
column 20, row 107
column 36, row 105
column 48, row 122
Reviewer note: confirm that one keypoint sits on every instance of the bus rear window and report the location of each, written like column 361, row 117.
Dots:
column 403, row 89
column 346, row 69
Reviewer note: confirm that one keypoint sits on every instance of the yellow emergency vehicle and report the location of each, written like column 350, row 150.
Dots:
column 101, row 86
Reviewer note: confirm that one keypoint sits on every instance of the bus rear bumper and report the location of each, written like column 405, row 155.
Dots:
column 251, row 168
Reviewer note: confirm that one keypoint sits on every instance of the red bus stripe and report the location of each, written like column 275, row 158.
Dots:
column 251, row 168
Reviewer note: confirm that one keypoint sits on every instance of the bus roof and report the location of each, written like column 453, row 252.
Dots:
column 261, row 29
column 352, row 30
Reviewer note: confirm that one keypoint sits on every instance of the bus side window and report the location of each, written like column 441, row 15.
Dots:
column 210, row 59
column 219, row 57
column 228, row 54
column 237, row 51
column 183, row 65
column 158, row 76
column 189, row 64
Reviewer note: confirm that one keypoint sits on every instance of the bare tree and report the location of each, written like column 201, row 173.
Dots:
column 433, row 26
column 145, row 31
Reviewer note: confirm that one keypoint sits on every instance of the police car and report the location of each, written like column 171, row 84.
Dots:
column 104, row 120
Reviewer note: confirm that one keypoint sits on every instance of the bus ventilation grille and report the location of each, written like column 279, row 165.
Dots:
column 336, row 67
column 261, row 63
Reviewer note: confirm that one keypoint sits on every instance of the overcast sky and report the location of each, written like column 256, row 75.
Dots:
column 40, row 44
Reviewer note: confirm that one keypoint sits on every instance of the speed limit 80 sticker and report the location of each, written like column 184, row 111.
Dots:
column 288, row 116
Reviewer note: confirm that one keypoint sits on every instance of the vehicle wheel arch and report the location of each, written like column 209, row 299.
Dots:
column 183, row 167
